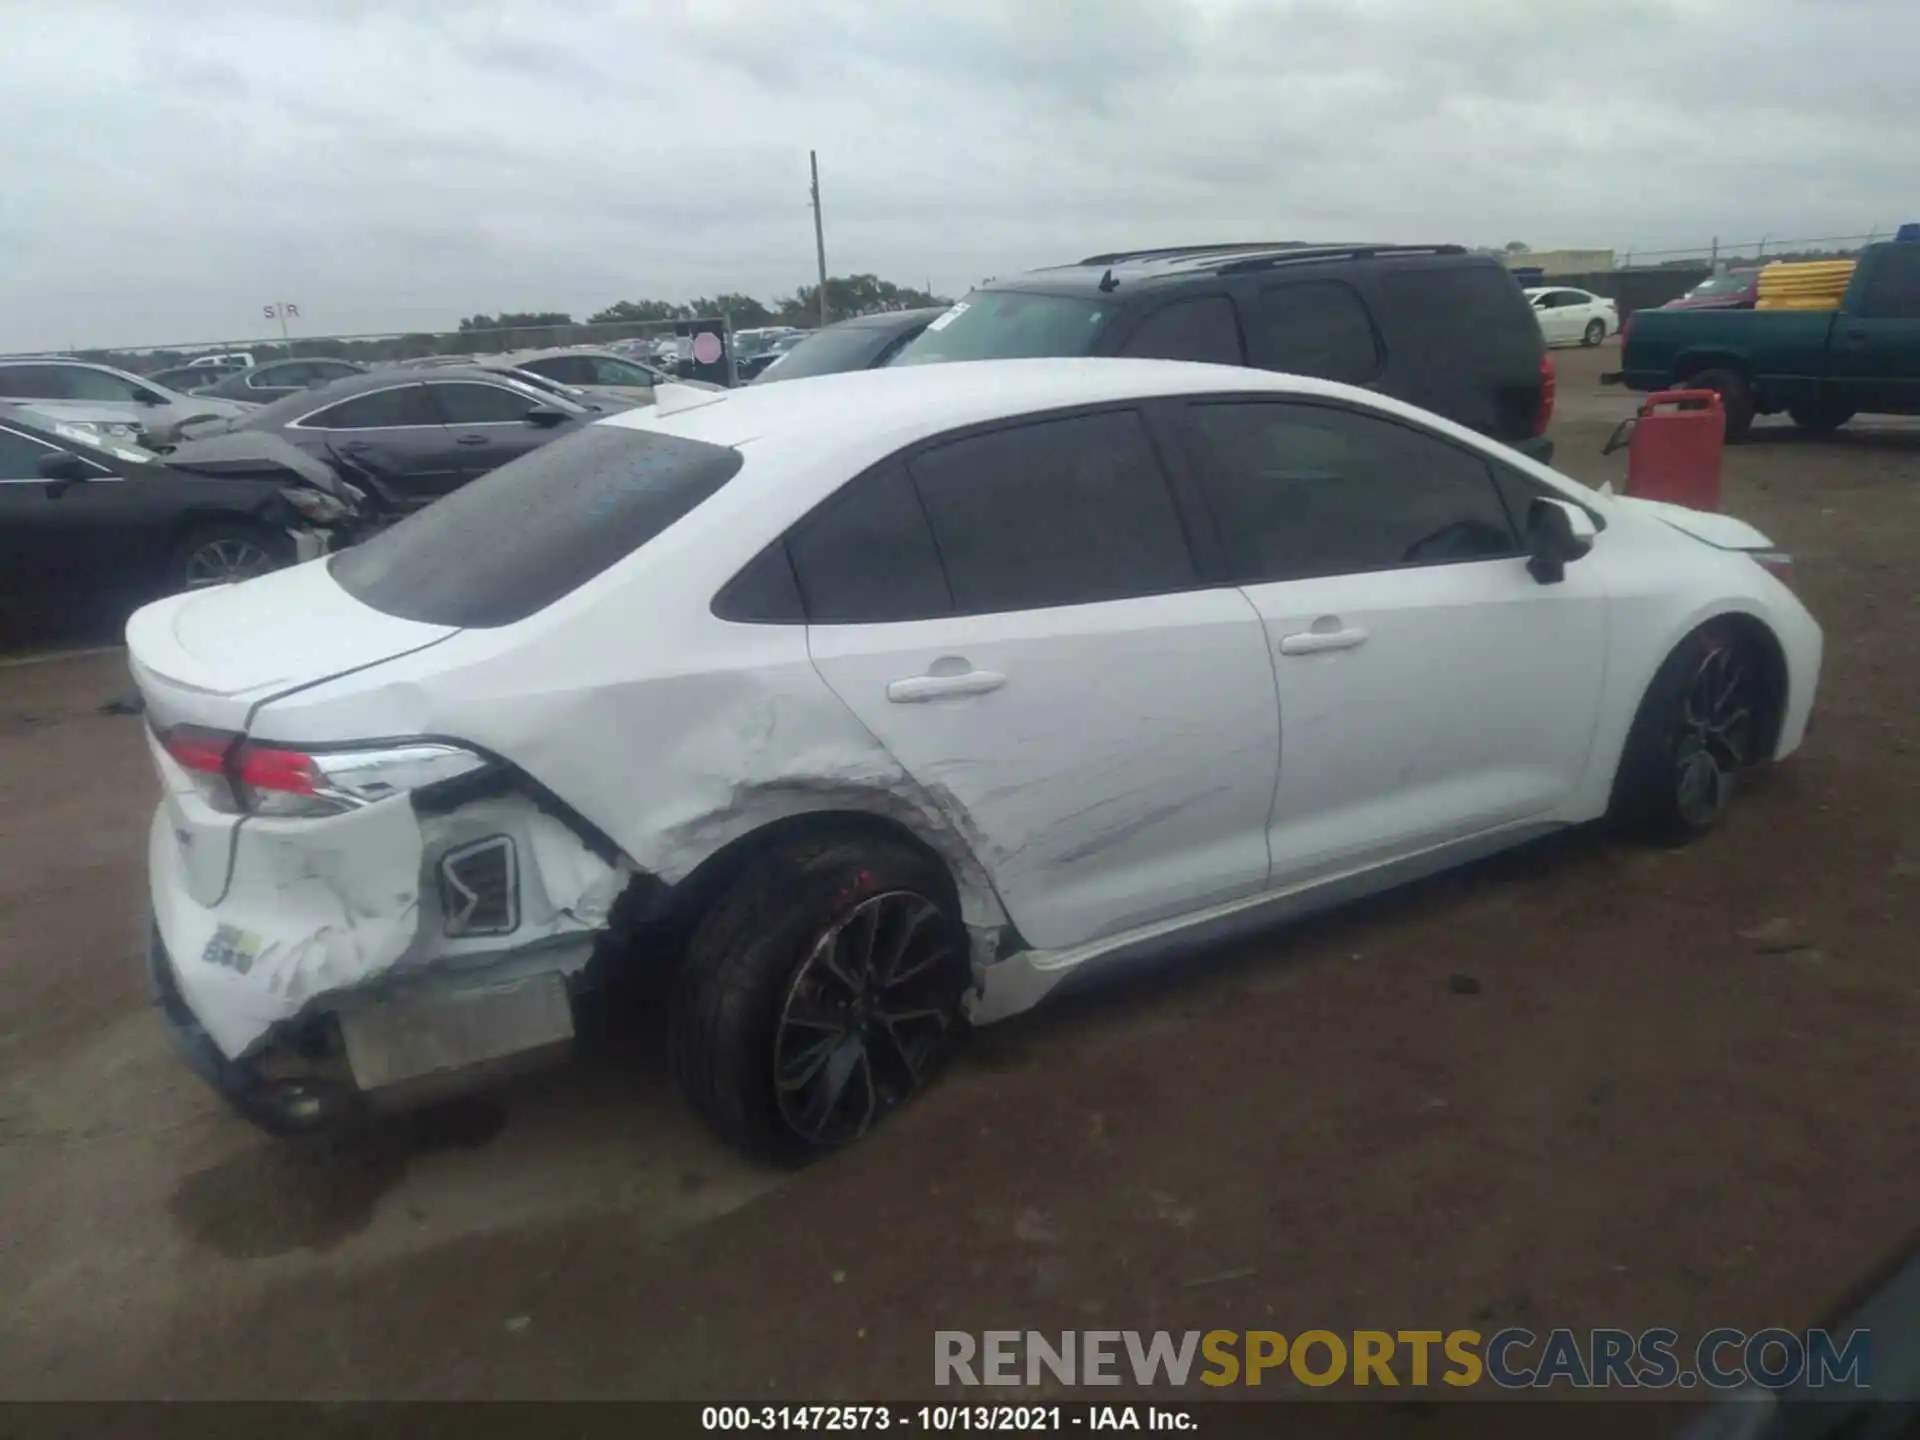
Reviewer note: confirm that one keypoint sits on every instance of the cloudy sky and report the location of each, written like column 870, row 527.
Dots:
column 396, row 164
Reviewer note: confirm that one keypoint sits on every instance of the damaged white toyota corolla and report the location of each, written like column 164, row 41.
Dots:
column 865, row 705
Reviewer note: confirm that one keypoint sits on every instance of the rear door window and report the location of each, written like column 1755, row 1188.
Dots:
column 377, row 410
column 1202, row 329
column 867, row 555
column 1059, row 512
column 520, row 537
column 1312, row 327
column 567, row 369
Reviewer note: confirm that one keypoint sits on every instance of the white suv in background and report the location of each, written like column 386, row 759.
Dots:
column 108, row 400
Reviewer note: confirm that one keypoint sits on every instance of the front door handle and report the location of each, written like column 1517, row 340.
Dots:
column 471, row 440
column 1313, row 642
column 918, row 689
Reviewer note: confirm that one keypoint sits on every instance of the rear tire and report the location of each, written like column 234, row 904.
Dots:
column 1736, row 399
column 1819, row 419
column 226, row 552
column 1697, row 728
column 819, row 994
column 1595, row 332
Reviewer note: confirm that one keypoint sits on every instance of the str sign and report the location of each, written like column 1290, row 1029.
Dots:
column 284, row 311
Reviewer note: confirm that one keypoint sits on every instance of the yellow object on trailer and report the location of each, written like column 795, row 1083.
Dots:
column 1810, row 284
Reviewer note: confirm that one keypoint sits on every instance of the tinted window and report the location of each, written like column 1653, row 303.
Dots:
column 1007, row 325
column 765, row 593
column 296, row 372
column 20, row 457
column 471, row 403
column 606, row 370
column 520, row 537
column 1200, row 329
column 1315, row 327
column 1458, row 310
column 1893, row 285
column 1304, row 491
column 32, row 382
column 77, row 382
column 867, row 554
column 331, row 369
column 1064, row 512
column 1520, row 491
column 568, row 369
column 402, row 405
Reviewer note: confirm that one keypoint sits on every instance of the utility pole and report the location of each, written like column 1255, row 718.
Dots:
column 819, row 233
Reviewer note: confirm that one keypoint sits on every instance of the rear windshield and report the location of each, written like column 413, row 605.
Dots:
column 1736, row 283
column 1008, row 325
column 1447, row 312
column 520, row 537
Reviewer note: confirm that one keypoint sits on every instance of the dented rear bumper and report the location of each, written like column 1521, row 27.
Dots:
column 382, row 954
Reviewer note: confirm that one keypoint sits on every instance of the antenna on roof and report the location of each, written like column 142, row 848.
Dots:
column 1108, row 283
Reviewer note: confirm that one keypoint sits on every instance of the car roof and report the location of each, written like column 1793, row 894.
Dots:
column 900, row 404
column 1124, row 271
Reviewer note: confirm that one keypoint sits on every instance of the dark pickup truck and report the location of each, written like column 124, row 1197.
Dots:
column 1822, row 367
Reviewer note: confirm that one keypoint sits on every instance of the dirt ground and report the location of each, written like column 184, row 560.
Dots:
column 1682, row 1094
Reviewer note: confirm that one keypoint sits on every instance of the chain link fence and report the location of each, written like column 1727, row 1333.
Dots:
column 1766, row 248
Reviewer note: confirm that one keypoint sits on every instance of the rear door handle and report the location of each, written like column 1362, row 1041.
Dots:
column 471, row 440
column 918, row 689
column 1312, row 642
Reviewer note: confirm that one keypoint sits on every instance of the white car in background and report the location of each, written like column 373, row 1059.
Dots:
column 1569, row 316
column 111, row 401
column 864, row 705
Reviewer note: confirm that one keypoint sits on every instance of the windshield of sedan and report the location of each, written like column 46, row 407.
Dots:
column 1008, row 325
column 828, row 353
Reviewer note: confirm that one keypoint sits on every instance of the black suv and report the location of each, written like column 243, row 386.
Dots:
column 1428, row 324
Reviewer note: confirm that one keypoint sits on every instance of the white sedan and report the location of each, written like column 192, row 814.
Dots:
column 869, row 704
column 1568, row 316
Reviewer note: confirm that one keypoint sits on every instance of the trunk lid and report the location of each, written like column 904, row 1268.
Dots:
column 208, row 657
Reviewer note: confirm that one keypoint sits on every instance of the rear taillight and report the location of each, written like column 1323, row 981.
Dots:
column 237, row 776
column 1543, row 415
column 1776, row 563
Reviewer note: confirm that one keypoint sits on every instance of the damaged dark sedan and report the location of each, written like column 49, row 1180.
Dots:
column 91, row 527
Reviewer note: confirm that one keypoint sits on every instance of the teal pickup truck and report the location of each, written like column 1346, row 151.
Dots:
column 1822, row 367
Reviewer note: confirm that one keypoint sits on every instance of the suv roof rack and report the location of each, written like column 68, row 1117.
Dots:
column 1261, row 255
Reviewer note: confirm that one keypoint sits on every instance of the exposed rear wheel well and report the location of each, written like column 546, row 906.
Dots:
column 1772, row 659
column 666, row 930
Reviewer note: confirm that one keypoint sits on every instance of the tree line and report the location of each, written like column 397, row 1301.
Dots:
column 847, row 296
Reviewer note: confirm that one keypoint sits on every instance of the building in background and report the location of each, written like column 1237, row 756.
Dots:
column 1554, row 264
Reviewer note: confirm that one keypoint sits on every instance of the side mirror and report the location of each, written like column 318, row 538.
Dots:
column 147, row 397
column 1558, row 533
column 546, row 416
column 64, row 470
